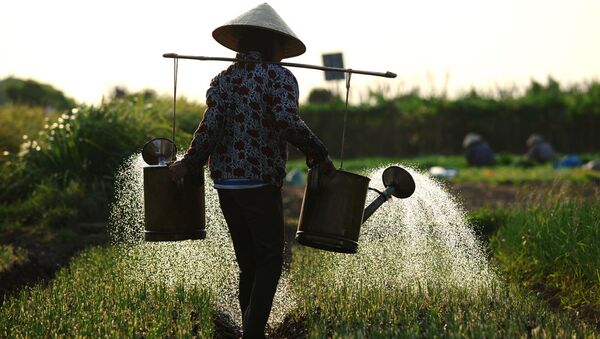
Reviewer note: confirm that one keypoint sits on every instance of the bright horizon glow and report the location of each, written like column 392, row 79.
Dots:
column 85, row 48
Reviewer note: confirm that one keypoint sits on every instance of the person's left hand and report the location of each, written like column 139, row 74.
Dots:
column 177, row 170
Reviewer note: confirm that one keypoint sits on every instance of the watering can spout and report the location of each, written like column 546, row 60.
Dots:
column 398, row 182
column 374, row 206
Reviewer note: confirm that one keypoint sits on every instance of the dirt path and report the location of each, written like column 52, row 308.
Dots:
column 473, row 196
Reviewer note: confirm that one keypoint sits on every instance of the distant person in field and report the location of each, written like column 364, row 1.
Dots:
column 539, row 150
column 252, row 114
column 477, row 151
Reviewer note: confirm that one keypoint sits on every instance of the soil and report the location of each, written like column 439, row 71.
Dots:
column 474, row 196
column 47, row 252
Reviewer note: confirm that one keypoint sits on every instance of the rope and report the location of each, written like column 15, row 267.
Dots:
column 348, row 76
column 175, row 66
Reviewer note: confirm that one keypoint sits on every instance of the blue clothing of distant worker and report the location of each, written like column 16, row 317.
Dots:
column 539, row 150
column 477, row 151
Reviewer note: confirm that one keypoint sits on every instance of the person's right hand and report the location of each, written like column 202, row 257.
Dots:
column 177, row 170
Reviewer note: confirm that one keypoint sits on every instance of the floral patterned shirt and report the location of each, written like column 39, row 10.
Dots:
column 252, row 114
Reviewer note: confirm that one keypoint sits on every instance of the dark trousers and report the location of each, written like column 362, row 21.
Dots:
column 255, row 220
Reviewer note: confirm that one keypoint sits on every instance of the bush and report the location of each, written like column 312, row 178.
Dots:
column 67, row 172
column 322, row 96
column 18, row 121
column 33, row 93
column 50, row 204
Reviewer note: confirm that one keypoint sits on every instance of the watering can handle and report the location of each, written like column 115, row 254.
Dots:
column 313, row 184
column 180, row 184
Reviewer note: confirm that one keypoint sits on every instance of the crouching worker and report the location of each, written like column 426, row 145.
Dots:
column 539, row 150
column 251, row 115
column 477, row 151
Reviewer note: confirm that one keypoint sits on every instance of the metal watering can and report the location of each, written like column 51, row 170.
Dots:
column 332, row 208
column 172, row 210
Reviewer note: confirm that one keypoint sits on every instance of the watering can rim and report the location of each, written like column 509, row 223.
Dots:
column 149, row 158
column 347, row 172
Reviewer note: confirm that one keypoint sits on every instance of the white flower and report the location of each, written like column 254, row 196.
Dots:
column 25, row 148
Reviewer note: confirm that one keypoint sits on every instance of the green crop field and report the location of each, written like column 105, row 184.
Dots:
column 177, row 289
column 553, row 247
column 346, row 308
column 96, row 296
column 510, row 169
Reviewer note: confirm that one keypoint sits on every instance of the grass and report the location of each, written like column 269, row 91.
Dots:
column 553, row 247
column 95, row 297
column 344, row 308
column 10, row 256
column 101, row 294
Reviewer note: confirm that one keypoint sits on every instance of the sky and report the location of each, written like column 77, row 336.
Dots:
column 85, row 48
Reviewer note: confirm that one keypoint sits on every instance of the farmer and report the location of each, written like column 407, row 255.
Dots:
column 252, row 114
column 539, row 150
column 477, row 151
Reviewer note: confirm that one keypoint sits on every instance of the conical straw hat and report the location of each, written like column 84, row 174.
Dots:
column 470, row 139
column 534, row 139
column 261, row 17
